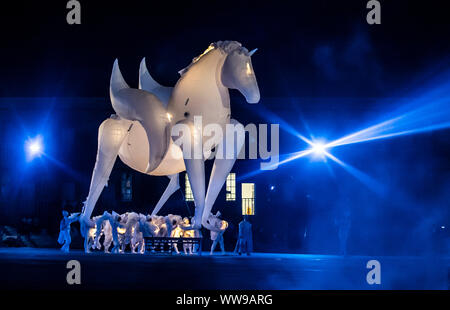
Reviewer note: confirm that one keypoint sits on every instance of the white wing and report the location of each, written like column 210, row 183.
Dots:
column 147, row 83
column 143, row 106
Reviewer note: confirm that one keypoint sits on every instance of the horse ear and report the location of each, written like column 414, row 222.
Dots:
column 252, row 52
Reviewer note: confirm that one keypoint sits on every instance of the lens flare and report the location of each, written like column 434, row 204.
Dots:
column 319, row 149
column 425, row 110
column 34, row 147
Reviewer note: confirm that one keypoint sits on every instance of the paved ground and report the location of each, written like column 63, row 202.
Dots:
column 27, row 268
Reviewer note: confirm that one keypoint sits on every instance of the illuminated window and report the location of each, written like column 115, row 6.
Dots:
column 188, row 196
column 231, row 187
column 248, row 198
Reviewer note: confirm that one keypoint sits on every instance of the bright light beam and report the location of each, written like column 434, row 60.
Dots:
column 275, row 119
column 290, row 157
column 34, row 147
column 319, row 149
column 73, row 173
column 430, row 117
column 428, row 111
column 367, row 180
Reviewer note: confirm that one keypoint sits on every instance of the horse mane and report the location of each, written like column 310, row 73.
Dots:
column 225, row 46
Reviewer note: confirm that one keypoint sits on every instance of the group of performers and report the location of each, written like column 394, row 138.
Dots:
column 129, row 230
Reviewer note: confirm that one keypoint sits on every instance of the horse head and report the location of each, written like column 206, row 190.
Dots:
column 237, row 73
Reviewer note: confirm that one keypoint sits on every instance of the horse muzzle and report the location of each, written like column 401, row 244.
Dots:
column 252, row 97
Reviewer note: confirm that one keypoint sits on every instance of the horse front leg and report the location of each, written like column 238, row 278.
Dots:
column 195, row 168
column 221, row 169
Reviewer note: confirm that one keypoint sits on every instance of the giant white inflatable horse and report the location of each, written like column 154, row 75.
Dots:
column 140, row 131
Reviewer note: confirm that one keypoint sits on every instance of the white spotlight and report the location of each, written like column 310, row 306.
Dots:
column 318, row 148
column 34, row 147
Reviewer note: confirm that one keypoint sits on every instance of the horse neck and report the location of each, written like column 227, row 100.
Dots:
column 206, row 72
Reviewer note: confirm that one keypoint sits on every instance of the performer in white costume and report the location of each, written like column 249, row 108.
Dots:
column 188, row 234
column 148, row 227
column 137, row 239
column 100, row 224
column 64, row 237
column 219, row 227
column 140, row 131
column 129, row 221
column 107, row 232
column 90, row 229
column 177, row 233
column 114, row 221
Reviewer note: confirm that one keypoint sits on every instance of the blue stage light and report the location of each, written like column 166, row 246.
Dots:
column 421, row 112
column 318, row 148
column 272, row 188
column 34, row 147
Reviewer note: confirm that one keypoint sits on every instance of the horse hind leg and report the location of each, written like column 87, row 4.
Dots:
column 111, row 135
column 174, row 185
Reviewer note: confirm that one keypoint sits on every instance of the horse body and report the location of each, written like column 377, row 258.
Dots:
column 135, row 151
column 197, row 92
column 140, row 132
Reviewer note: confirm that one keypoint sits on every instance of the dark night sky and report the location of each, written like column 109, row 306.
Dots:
column 307, row 49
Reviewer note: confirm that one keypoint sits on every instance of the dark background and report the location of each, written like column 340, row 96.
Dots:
column 320, row 67
column 307, row 48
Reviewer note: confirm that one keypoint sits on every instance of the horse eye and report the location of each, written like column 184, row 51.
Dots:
column 249, row 69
